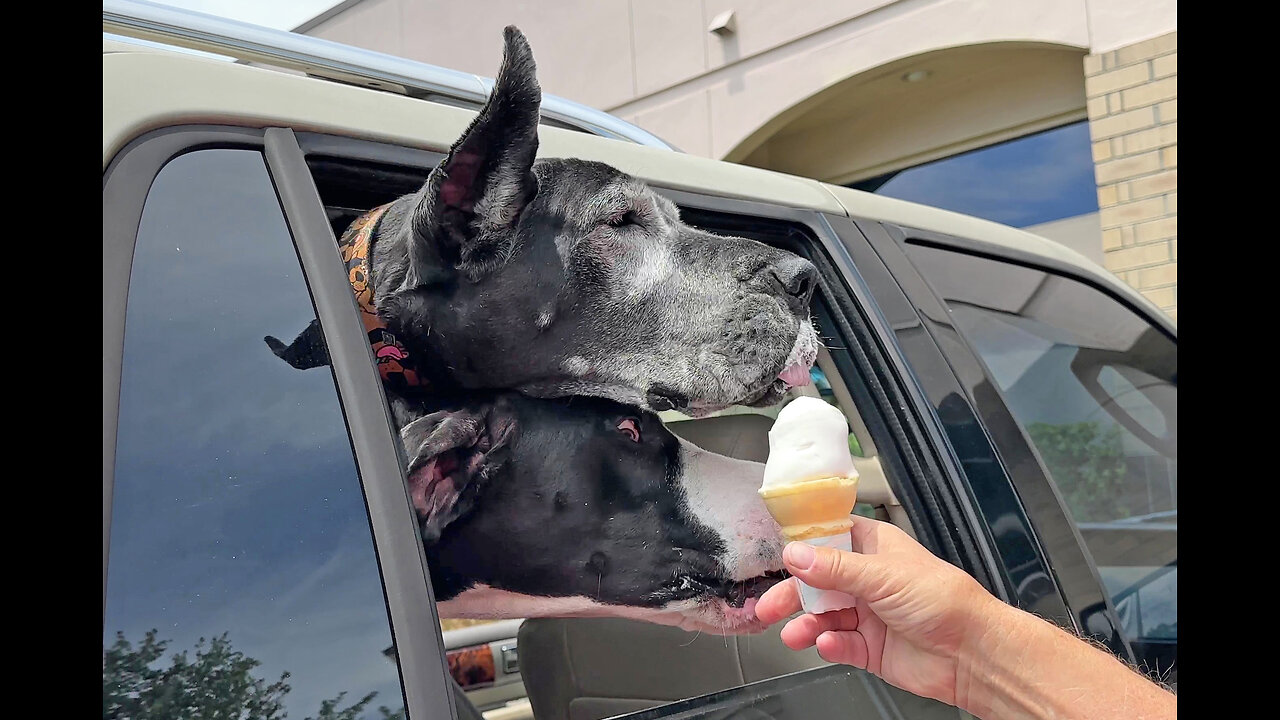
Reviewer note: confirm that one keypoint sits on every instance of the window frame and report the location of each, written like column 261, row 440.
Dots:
column 918, row 453
column 401, row 561
column 1072, row 563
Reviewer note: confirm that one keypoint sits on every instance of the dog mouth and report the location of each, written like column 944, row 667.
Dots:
column 794, row 373
column 726, row 606
column 795, row 369
column 736, row 594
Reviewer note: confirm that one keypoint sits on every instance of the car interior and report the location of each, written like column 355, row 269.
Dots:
column 588, row 668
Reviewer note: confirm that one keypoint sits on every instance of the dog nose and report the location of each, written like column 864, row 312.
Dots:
column 794, row 279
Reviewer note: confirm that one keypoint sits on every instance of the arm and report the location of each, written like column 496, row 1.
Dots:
column 927, row 627
column 1021, row 666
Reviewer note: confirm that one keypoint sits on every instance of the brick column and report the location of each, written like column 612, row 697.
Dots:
column 1133, row 120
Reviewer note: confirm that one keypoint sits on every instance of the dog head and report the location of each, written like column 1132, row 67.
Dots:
column 570, row 277
column 585, row 507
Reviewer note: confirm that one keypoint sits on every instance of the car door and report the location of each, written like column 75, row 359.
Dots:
column 256, row 529
column 1075, row 383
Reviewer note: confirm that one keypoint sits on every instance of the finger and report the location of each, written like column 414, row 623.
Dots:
column 778, row 602
column 804, row 630
column 870, row 536
column 831, row 569
column 849, row 648
column 863, row 533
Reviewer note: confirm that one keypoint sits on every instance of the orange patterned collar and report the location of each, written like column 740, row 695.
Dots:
column 394, row 364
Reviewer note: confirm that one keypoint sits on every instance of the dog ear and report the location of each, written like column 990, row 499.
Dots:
column 452, row 454
column 462, row 216
column 307, row 351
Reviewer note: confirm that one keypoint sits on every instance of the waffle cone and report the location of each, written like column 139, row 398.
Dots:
column 812, row 508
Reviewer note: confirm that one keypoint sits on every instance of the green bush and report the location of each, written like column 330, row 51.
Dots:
column 217, row 684
column 1087, row 462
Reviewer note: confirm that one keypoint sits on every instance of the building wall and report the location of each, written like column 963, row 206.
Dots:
column 1133, row 121
column 1080, row 233
column 813, row 88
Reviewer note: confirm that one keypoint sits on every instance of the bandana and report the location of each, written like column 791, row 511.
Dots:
column 394, row 363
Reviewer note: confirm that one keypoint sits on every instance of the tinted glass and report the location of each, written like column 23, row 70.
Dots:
column 835, row 691
column 239, row 531
column 1032, row 180
column 1095, row 387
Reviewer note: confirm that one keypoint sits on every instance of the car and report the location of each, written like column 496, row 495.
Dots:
column 1014, row 407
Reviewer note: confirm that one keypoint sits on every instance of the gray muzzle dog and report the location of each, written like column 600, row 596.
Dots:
column 569, row 277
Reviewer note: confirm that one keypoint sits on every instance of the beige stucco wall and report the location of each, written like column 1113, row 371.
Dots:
column 973, row 96
column 1133, row 122
column 654, row 62
column 815, row 88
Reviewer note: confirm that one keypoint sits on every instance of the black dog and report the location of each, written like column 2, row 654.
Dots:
column 582, row 506
column 568, row 277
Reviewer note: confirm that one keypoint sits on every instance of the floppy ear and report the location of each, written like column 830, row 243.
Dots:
column 461, row 216
column 452, row 454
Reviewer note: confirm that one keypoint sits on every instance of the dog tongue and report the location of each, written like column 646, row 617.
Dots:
column 795, row 376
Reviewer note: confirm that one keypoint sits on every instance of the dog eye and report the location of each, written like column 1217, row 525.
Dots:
column 623, row 219
column 631, row 428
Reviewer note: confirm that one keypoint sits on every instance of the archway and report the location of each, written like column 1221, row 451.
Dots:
column 919, row 109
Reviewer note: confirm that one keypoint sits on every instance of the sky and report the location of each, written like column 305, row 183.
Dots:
column 279, row 14
column 1031, row 180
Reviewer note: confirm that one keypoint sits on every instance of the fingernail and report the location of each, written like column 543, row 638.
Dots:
column 798, row 555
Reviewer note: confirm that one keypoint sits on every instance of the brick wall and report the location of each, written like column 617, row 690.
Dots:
column 1133, row 120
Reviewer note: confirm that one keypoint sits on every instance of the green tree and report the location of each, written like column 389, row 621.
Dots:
column 217, row 684
column 1088, row 464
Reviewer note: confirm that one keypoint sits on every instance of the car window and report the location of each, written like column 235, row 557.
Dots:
column 242, row 577
column 1095, row 388
column 573, row 667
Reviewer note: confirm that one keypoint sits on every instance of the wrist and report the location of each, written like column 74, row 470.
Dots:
column 996, row 655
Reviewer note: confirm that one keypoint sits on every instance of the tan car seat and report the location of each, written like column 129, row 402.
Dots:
column 585, row 669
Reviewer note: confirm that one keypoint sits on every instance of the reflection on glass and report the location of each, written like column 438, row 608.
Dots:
column 1031, row 180
column 827, row 692
column 1096, row 389
column 239, row 532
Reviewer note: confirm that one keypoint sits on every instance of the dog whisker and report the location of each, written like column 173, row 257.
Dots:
column 696, row 635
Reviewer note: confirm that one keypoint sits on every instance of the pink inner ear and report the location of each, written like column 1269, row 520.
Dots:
column 630, row 429
column 458, row 190
column 431, row 487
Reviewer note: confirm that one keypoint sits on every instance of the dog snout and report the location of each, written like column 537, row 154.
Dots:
column 793, row 279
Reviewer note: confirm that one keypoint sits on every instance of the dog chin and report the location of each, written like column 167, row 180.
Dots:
column 717, row 616
column 709, row 614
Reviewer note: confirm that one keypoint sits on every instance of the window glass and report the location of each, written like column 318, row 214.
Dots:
column 1032, row 180
column 1095, row 387
column 240, row 540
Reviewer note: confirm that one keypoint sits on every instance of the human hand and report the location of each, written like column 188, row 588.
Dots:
column 917, row 619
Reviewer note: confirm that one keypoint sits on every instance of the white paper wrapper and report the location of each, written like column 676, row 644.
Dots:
column 815, row 601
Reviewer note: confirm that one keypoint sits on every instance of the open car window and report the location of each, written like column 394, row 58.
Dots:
column 602, row 667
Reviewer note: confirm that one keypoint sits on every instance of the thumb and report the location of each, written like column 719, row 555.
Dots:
column 831, row 569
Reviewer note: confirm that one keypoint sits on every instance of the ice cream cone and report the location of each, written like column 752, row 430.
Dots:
column 813, row 508
column 816, row 512
column 810, row 486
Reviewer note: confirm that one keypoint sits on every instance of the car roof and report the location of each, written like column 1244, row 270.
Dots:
column 202, row 90
column 243, row 42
